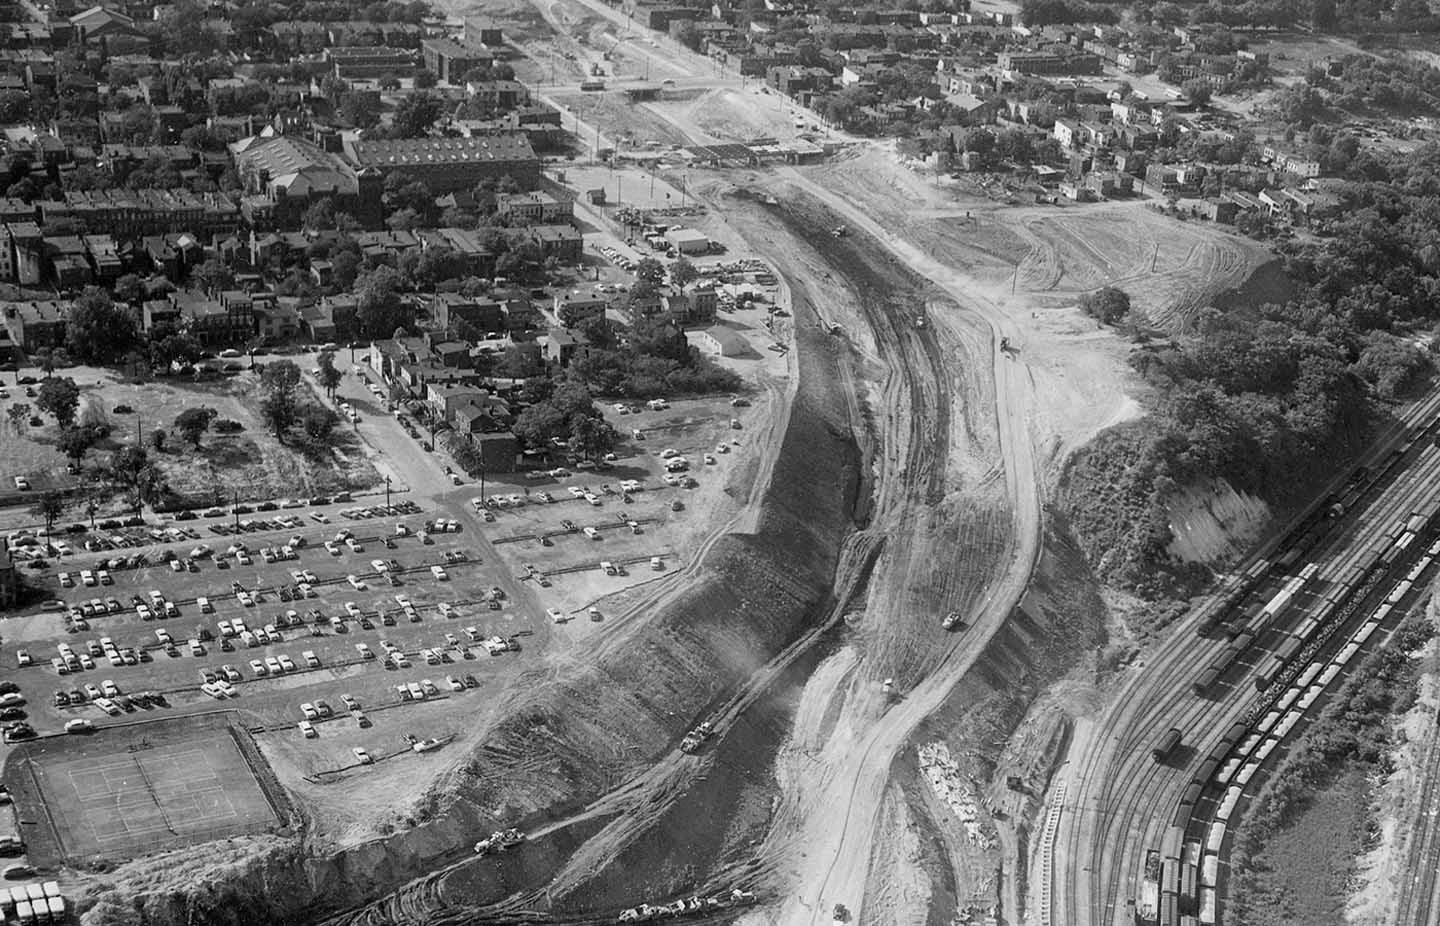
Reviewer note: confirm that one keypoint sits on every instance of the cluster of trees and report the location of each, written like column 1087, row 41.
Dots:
column 99, row 331
column 1107, row 305
column 654, row 360
column 1014, row 145
column 565, row 412
column 1271, row 399
column 1051, row 12
column 283, row 410
column 1364, row 84
column 255, row 16
column 413, row 116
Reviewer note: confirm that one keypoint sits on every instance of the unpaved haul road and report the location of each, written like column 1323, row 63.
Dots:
column 842, row 804
column 838, row 837
column 837, row 852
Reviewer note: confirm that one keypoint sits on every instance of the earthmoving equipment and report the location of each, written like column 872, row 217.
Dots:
column 499, row 841
column 697, row 737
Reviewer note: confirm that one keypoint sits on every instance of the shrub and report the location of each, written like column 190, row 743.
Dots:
column 227, row 426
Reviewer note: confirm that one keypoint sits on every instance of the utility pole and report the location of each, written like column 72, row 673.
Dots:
column 387, row 491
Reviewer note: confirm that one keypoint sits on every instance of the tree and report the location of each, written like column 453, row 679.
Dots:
column 214, row 275
column 75, row 442
column 650, row 270
column 176, row 348
column 378, row 306
column 683, row 273
column 519, row 361
column 329, row 375
column 157, row 439
column 537, row 425
column 318, row 423
column 131, row 470
column 14, row 106
column 19, row 415
column 320, row 216
column 49, row 507
column 279, row 380
column 344, row 269
column 415, row 114
column 403, row 220
column 192, row 424
column 1199, row 91
column 60, row 397
column 128, row 289
column 591, row 436
column 1108, row 305
column 361, row 108
column 425, row 79
column 572, row 398
column 52, row 357
column 98, row 330
column 389, row 82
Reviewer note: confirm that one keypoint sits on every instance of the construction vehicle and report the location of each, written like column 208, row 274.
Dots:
column 1005, row 344
column 842, row 913
column 840, row 231
column 697, row 737
column 499, row 841
column 952, row 620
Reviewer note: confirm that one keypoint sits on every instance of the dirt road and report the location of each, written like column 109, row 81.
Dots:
column 839, row 846
column 913, row 424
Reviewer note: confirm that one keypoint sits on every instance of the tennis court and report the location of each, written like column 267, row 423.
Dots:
column 144, row 796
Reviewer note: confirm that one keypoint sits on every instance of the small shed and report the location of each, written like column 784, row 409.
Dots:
column 596, row 197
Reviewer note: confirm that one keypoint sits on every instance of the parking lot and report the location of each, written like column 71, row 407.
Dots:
column 580, row 535
column 269, row 619
column 351, row 638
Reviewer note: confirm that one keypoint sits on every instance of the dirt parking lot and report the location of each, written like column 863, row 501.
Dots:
column 548, row 543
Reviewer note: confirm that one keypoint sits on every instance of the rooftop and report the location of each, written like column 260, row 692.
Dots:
column 514, row 147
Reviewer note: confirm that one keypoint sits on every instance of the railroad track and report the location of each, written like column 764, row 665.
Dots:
column 1122, row 802
column 1416, row 905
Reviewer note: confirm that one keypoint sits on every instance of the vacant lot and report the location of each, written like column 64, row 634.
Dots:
column 250, row 463
column 126, row 792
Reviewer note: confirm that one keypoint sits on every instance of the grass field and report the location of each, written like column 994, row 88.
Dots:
column 126, row 792
column 1303, row 875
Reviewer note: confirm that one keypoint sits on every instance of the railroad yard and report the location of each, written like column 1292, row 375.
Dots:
column 1275, row 644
